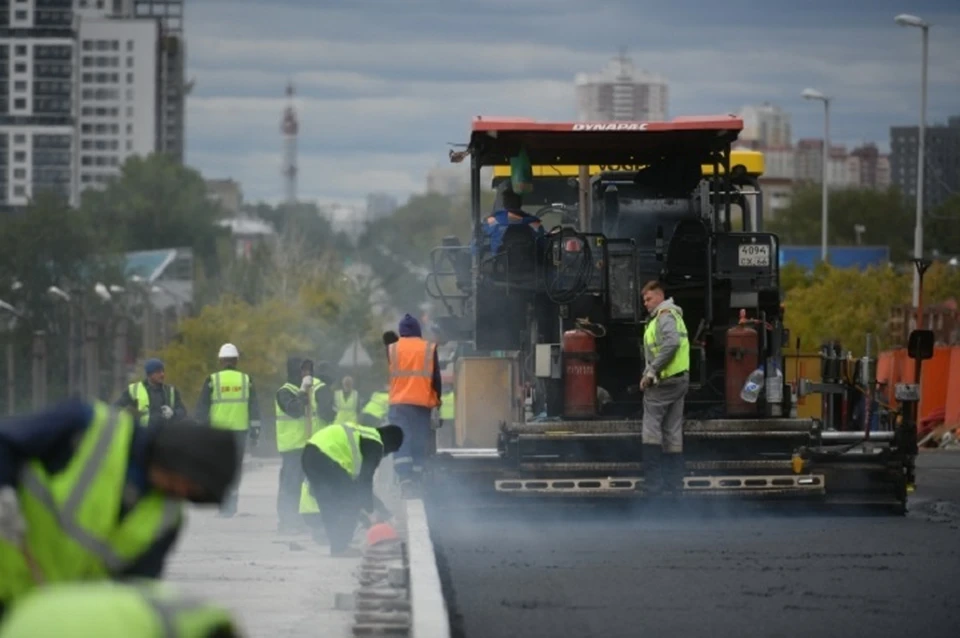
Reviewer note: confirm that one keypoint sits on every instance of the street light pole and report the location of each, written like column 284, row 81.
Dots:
column 813, row 94
column 906, row 20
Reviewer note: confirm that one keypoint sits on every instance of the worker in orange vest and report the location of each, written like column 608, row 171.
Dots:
column 415, row 389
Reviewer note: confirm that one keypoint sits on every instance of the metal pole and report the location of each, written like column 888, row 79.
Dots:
column 37, row 384
column 921, row 143
column 92, row 359
column 120, row 355
column 584, row 184
column 825, row 216
column 71, row 350
column 11, row 379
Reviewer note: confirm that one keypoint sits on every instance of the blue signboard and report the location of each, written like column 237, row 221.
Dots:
column 861, row 257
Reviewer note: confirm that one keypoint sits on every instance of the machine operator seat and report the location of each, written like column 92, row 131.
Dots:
column 686, row 258
column 516, row 260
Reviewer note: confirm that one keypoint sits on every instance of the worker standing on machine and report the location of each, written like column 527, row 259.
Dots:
column 228, row 401
column 665, row 382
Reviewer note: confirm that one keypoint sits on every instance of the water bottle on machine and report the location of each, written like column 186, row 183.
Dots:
column 752, row 388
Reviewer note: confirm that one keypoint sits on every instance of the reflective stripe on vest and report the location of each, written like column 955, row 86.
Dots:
column 411, row 372
column 341, row 443
column 345, row 408
column 230, row 396
column 138, row 392
column 67, row 514
column 680, row 362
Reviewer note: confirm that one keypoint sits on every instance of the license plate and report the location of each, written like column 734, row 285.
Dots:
column 754, row 255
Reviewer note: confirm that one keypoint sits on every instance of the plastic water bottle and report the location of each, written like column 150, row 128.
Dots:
column 774, row 383
column 751, row 389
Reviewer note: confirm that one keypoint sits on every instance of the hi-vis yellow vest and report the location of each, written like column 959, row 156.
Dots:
column 229, row 400
column 74, row 531
column 138, row 392
column 681, row 358
column 340, row 442
column 345, row 406
column 292, row 432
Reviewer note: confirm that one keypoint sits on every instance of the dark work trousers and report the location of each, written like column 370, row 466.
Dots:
column 288, row 495
column 334, row 491
column 229, row 505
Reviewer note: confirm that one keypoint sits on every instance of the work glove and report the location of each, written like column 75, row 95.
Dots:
column 12, row 526
column 254, row 433
column 389, row 337
column 166, row 411
column 306, row 384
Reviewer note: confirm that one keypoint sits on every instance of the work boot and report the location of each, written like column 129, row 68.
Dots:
column 674, row 470
column 652, row 477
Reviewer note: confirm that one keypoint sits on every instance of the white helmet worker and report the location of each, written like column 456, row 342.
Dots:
column 228, row 351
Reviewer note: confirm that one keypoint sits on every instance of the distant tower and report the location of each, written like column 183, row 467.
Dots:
column 290, row 127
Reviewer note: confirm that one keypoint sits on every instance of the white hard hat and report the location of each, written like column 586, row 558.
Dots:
column 229, row 351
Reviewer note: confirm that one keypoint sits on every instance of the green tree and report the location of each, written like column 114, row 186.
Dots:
column 845, row 305
column 155, row 203
column 886, row 216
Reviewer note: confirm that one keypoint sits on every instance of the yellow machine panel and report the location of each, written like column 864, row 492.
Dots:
column 808, row 366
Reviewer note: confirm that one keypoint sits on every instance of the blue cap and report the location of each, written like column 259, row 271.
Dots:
column 152, row 365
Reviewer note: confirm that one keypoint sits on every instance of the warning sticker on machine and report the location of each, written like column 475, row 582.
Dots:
column 754, row 255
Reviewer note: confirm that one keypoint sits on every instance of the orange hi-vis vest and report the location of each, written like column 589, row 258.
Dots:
column 411, row 372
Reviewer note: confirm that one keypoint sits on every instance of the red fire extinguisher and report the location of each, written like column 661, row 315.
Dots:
column 580, row 357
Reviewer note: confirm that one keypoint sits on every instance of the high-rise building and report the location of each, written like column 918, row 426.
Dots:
column 620, row 92
column 808, row 164
column 117, row 95
column 942, row 167
column 868, row 168
column 83, row 85
column 171, row 73
column 765, row 126
column 36, row 99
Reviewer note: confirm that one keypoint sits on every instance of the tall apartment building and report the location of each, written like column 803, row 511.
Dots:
column 765, row 126
column 868, row 168
column 117, row 95
column 83, row 85
column 36, row 98
column 620, row 92
column 942, row 167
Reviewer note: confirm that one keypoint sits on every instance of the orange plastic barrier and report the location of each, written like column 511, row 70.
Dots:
column 939, row 380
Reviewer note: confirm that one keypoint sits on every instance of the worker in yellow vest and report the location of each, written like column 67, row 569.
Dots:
column 339, row 462
column 448, row 405
column 228, row 401
column 375, row 410
column 346, row 402
column 86, row 494
column 145, row 609
column 301, row 394
column 152, row 400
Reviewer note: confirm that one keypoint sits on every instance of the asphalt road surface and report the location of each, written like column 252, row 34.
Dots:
column 729, row 572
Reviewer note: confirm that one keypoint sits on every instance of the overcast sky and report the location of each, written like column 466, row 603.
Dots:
column 383, row 85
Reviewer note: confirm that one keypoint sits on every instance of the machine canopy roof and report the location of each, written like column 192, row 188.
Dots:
column 495, row 140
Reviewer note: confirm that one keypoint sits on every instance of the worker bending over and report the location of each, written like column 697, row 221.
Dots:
column 346, row 402
column 228, row 402
column 86, row 494
column 665, row 382
column 303, row 408
column 414, row 392
column 141, row 609
column 152, row 399
column 339, row 462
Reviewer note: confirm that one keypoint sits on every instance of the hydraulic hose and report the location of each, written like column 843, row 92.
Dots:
column 570, row 281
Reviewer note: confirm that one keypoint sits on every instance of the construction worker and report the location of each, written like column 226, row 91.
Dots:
column 87, row 494
column 375, row 410
column 300, row 395
column 665, row 382
column 511, row 214
column 414, row 392
column 228, row 401
column 146, row 609
column 151, row 399
column 448, row 402
column 346, row 402
column 339, row 462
